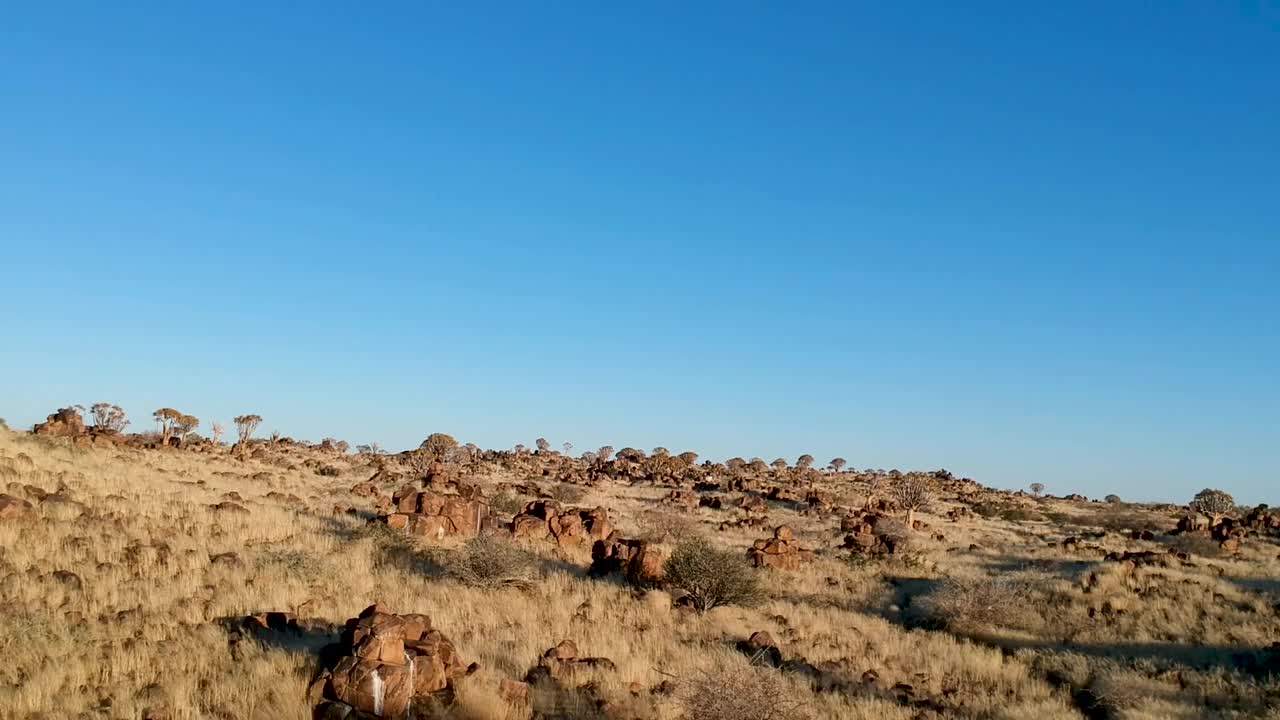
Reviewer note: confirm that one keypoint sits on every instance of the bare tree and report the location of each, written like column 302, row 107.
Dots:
column 216, row 430
column 912, row 494
column 837, row 464
column 109, row 417
column 1037, row 488
column 567, row 447
column 245, row 425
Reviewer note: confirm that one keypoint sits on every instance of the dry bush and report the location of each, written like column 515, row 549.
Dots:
column 656, row 526
column 1199, row 545
column 486, row 562
column 981, row 604
column 1120, row 519
column 711, row 576
column 567, row 494
column 505, row 502
column 760, row 694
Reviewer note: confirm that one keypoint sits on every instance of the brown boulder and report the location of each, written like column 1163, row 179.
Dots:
column 15, row 508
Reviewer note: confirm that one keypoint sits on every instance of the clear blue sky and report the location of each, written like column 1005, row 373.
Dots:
column 1021, row 241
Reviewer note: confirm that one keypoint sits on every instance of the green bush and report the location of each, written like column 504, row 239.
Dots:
column 711, row 576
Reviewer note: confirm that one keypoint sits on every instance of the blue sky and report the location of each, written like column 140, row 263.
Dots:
column 1021, row 241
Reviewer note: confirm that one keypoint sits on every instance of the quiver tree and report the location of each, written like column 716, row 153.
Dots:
column 804, row 461
column 605, row 453
column 912, row 494
column 543, row 444
column 1037, row 488
column 688, row 457
column 245, row 425
column 167, row 419
column 437, row 446
column 567, row 447
column 108, row 417
column 837, row 464
column 1214, row 503
column 184, row 426
column 216, row 430
column 779, row 465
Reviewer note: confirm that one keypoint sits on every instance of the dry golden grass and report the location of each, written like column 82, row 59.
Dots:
column 142, row 630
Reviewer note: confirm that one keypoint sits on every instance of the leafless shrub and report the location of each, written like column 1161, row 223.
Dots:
column 760, row 694
column 505, row 502
column 487, row 562
column 567, row 494
column 1193, row 544
column 711, row 576
column 656, row 526
column 981, row 604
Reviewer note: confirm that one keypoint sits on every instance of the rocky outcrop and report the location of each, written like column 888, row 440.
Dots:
column 641, row 563
column 437, row 516
column 781, row 551
column 386, row 664
column 561, row 664
column 873, row 533
column 541, row 519
column 67, row 422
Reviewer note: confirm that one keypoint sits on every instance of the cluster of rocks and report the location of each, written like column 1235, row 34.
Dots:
column 385, row 665
column 436, row 515
column 640, row 562
column 781, row 551
column 1263, row 520
column 563, row 665
column 873, row 533
column 1229, row 533
column 541, row 519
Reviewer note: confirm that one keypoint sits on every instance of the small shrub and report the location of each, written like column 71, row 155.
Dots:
column 486, row 562
column 328, row 471
column 505, row 502
column 567, row 494
column 986, row 510
column 662, row 527
column 968, row 604
column 1113, row 500
column 1020, row 514
column 1200, row 545
column 712, row 576
column 760, row 694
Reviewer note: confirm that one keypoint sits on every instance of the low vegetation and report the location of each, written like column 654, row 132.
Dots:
column 129, row 565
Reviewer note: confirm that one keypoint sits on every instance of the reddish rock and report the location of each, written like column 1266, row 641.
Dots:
column 15, row 508
column 781, row 551
column 387, row 662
